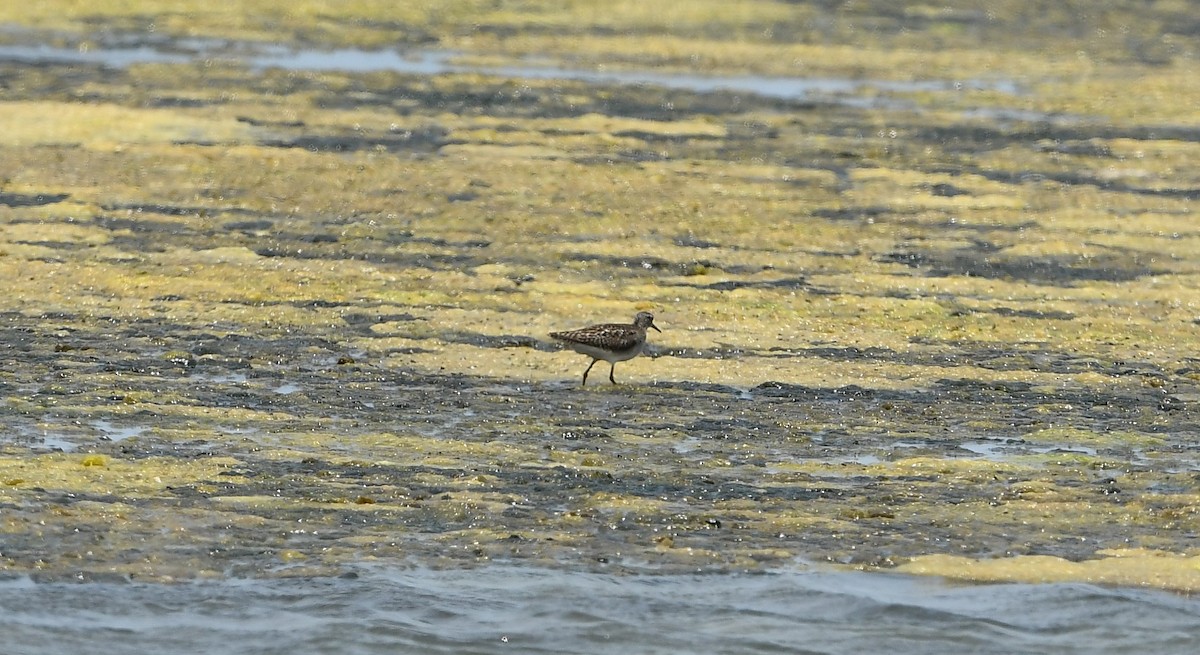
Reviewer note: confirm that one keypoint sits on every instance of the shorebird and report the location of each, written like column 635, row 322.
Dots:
column 612, row 342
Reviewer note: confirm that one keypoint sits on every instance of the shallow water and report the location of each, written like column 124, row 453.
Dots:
column 436, row 62
column 533, row 610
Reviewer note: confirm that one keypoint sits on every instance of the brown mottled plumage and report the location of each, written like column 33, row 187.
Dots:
column 612, row 342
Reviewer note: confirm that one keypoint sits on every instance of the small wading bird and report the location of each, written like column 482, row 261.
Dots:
column 612, row 342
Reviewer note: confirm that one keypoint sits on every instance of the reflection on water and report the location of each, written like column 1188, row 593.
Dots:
column 437, row 62
column 1002, row 449
column 434, row 62
column 111, row 57
column 529, row 610
column 117, row 432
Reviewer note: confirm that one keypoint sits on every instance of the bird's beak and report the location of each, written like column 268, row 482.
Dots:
column 655, row 327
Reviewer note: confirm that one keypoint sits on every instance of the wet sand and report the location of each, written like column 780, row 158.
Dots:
column 281, row 322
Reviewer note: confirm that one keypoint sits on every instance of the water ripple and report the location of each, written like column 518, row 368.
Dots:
column 533, row 610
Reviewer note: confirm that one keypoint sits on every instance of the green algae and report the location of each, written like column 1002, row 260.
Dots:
column 287, row 322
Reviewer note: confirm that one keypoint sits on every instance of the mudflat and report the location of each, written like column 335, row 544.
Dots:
column 266, row 320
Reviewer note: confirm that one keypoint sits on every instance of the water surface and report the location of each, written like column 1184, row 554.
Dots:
column 437, row 62
column 531, row 610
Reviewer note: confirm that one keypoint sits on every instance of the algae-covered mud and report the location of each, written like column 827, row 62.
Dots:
column 266, row 320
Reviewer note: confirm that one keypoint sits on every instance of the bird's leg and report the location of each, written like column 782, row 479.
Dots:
column 589, row 368
column 610, row 373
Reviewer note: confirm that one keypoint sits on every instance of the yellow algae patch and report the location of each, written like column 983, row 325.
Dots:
column 625, row 503
column 232, row 255
column 953, row 470
column 106, row 126
column 257, row 502
column 1124, row 567
column 108, row 475
column 83, row 235
column 600, row 123
column 1079, row 437
column 516, row 151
